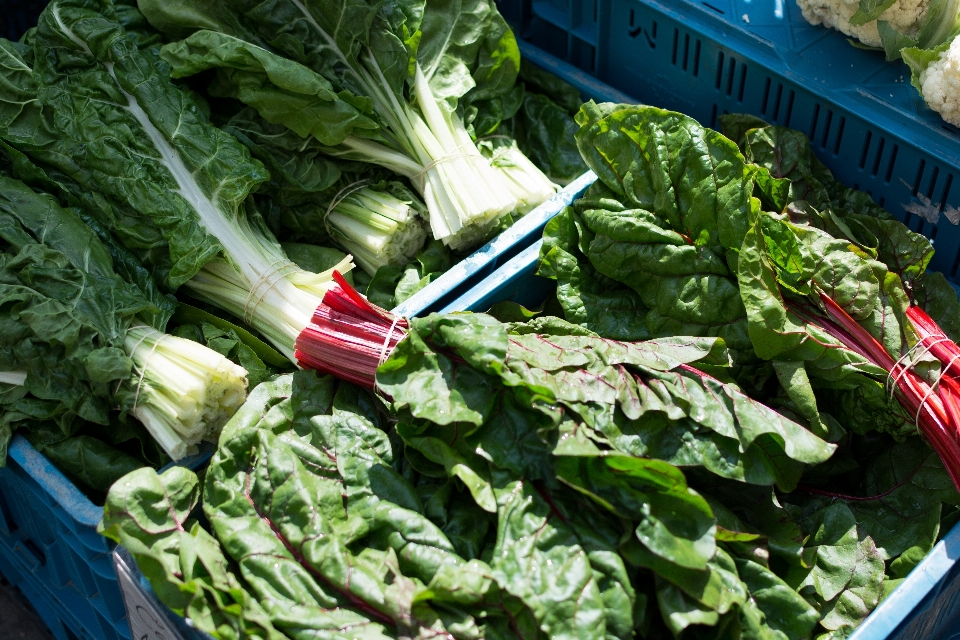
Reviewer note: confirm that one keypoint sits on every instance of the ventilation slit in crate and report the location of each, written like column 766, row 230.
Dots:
column 836, row 145
column 813, row 125
column 893, row 161
column 881, row 201
column 33, row 548
column 713, row 117
column 866, row 149
column 743, row 82
column 731, row 73
column 776, row 103
column 720, row 69
column 710, row 6
column 876, row 162
column 826, row 129
column 766, row 96
column 676, row 41
column 946, row 192
column 696, row 59
column 916, row 183
column 933, row 181
column 789, row 114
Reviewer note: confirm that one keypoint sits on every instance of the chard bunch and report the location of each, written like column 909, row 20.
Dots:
column 93, row 107
column 373, row 83
column 76, row 338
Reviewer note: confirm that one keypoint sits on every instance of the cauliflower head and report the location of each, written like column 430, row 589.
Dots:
column 938, row 79
column 905, row 16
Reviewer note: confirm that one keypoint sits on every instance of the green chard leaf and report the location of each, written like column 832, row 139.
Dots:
column 149, row 514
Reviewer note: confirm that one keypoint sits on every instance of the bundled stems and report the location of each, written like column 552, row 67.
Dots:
column 376, row 227
column 183, row 392
column 349, row 337
column 935, row 408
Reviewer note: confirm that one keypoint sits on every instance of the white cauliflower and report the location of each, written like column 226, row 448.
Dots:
column 936, row 74
column 905, row 16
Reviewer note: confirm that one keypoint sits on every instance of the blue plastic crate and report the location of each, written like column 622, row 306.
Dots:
column 867, row 123
column 51, row 551
column 18, row 16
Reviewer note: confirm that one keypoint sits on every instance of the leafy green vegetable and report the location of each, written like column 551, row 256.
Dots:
column 149, row 515
column 171, row 183
column 75, row 334
column 380, row 84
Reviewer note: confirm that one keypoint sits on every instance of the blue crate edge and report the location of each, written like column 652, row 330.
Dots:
column 518, row 234
column 52, row 480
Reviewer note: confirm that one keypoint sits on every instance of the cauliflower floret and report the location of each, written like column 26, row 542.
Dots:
column 906, row 16
column 940, row 84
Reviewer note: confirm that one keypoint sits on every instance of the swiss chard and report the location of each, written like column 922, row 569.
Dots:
column 376, row 83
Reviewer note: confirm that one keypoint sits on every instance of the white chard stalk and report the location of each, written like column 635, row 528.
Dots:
column 378, row 228
column 430, row 145
column 530, row 186
column 184, row 392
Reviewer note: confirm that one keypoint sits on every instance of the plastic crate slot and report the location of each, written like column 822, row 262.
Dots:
column 893, row 161
column 876, row 162
column 790, row 98
column 956, row 265
column 713, row 116
column 696, row 59
column 710, row 6
column 826, row 129
column 813, row 124
column 733, row 71
column 7, row 524
column 840, row 128
column 766, row 96
column 866, row 149
column 743, row 82
column 916, row 183
column 933, row 182
column 686, row 51
column 946, row 192
column 634, row 30
column 776, row 102
column 720, row 58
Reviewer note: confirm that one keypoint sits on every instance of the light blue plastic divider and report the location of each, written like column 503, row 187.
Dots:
column 465, row 274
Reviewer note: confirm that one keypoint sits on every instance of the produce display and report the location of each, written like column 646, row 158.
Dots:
column 189, row 194
column 737, row 456
column 736, row 415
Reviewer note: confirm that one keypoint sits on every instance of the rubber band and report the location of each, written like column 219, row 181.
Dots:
column 383, row 350
column 890, row 384
column 386, row 341
column 271, row 277
column 916, row 418
column 420, row 179
column 342, row 195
